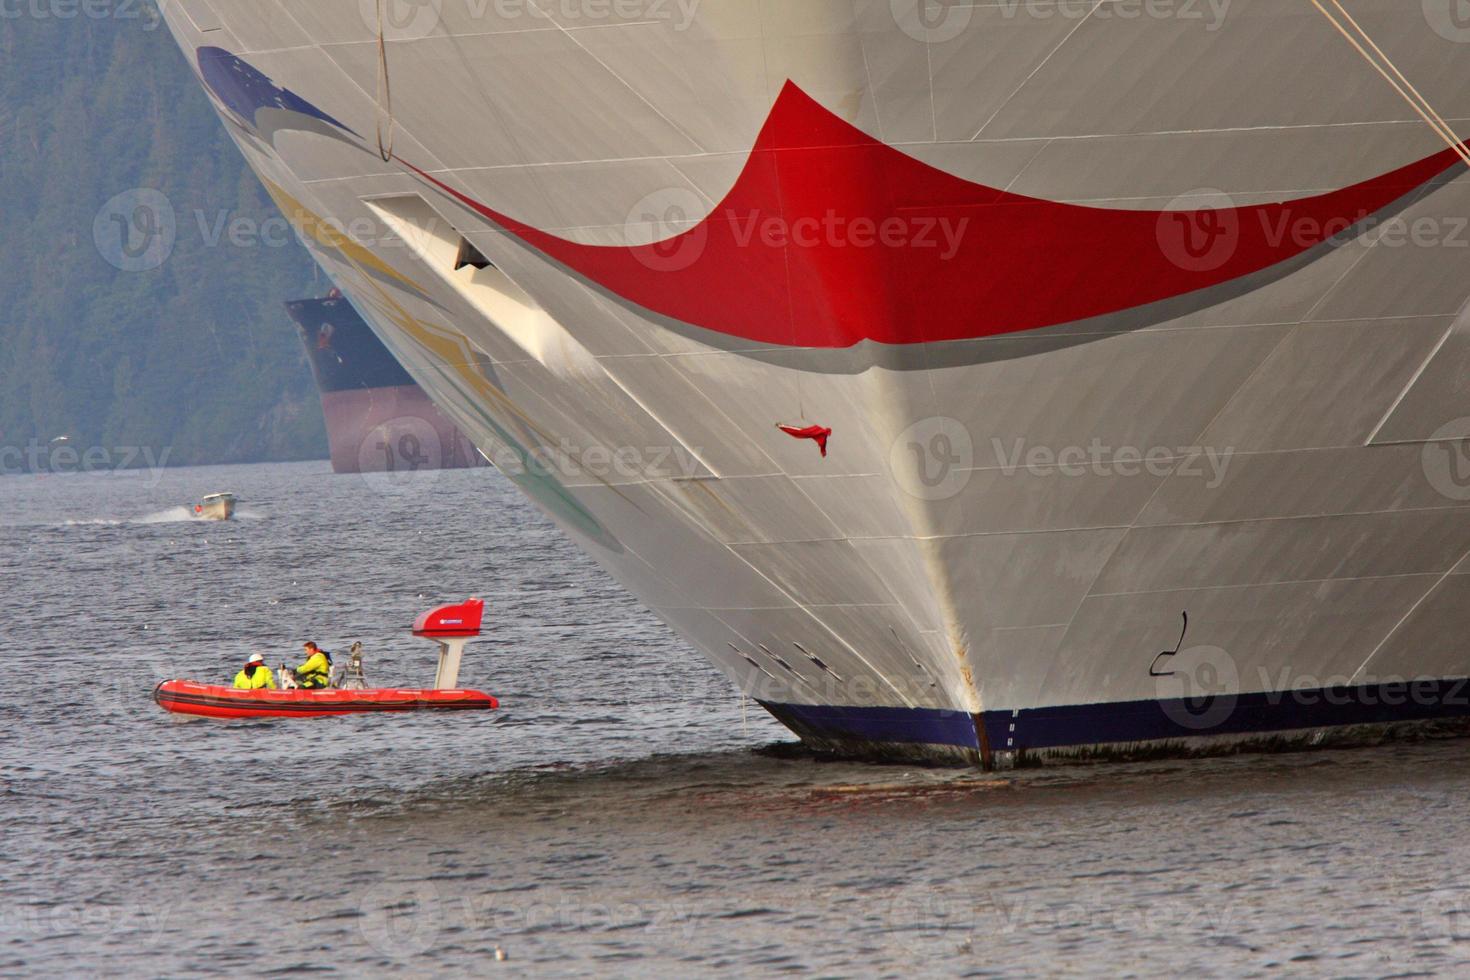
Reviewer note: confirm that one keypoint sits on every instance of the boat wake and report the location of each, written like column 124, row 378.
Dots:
column 170, row 516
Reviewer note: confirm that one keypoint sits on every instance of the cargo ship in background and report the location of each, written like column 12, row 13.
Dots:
column 378, row 420
column 931, row 366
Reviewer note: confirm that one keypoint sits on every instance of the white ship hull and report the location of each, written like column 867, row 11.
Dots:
column 1111, row 318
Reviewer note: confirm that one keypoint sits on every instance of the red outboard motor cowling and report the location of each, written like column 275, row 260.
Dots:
column 459, row 619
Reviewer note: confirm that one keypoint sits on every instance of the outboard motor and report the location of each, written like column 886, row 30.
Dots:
column 451, row 627
column 349, row 676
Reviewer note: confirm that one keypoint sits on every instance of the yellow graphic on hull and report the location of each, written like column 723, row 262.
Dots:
column 449, row 349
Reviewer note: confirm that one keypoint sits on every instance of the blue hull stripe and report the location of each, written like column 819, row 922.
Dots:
column 920, row 726
column 1136, row 721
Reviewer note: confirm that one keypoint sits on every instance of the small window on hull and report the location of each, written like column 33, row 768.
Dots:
column 471, row 256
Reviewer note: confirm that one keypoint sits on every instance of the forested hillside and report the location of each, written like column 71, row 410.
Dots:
column 113, row 332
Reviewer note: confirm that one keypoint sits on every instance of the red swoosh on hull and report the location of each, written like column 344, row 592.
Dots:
column 1018, row 263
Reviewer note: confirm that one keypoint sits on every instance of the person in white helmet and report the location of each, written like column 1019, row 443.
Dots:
column 255, row 675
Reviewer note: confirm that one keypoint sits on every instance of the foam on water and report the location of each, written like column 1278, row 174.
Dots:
column 169, row 515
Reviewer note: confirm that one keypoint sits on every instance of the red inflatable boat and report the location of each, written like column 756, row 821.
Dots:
column 451, row 627
column 222, row 701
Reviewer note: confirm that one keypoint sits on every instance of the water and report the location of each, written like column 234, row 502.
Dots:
column 621, row 814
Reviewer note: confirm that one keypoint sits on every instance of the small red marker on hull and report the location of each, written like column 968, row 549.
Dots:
column 817, row 433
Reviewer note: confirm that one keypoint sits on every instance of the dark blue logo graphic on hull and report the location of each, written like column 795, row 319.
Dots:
column 256, row 101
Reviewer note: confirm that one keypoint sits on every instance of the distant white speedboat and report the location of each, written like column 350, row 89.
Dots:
column 216, row 507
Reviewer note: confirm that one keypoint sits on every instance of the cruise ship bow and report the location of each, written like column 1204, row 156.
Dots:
column 964, row 381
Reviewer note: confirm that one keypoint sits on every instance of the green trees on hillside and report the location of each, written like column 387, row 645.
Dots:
column 193, row 352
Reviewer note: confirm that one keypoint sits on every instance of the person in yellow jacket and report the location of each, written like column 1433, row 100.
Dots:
column 255, row 675
column 317, row 670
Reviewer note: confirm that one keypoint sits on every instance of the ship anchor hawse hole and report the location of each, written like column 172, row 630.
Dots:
column 1153, row 670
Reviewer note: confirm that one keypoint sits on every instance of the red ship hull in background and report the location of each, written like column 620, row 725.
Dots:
column 378, row 420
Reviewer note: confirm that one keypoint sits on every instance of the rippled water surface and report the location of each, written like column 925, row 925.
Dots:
column 622, row 814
